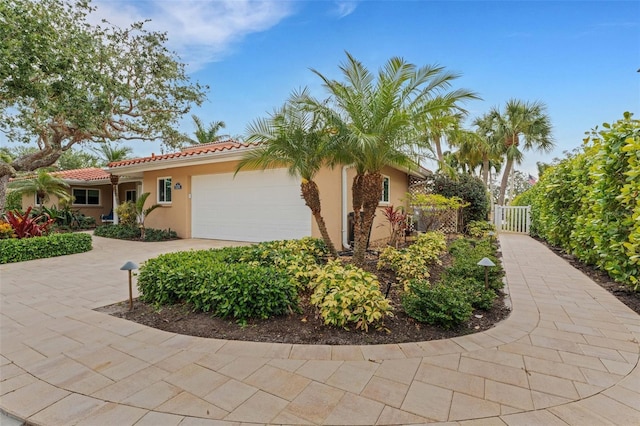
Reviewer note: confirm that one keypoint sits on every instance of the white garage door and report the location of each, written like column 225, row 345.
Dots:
column 252, row 206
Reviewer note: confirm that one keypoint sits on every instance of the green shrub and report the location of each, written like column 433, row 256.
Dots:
column 466, row 255
column 469, row 188
column 413, row 262
column 132, row 232
column 347, row 294
column 127, row 214
column 442, row 305
column 474, row 290
column 210, row 281
column 480, row 228
column 19, row 250
column 120, row 232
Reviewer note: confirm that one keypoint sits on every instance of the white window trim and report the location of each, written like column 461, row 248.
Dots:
column 385, row 202
column 158, row 188
column 87, row 189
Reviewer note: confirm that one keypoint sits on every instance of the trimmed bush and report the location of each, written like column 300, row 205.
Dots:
column 467, row 253
column 442, row 305
column 19, row 250
column 132, row 232
column 256, row 281
column 480, row 228
column 347, row 294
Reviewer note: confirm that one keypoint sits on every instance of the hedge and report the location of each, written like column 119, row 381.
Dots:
column 18, row 250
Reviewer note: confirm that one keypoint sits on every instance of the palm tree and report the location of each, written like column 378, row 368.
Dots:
column 438, row 125
column 520, row 121
column 42, row 185
column 373, row 118
column 142, row 213
column 295, row 137
column 110, row 154
column 204, row 134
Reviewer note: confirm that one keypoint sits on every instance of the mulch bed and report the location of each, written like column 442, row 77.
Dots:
column 307, row 327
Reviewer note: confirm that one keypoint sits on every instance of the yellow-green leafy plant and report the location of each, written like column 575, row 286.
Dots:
column 412, row 263
column 127, row 213
column 433, row 209
column 6, row 231
column 480, row 228
column 347, row 294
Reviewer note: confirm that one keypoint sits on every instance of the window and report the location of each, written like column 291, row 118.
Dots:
column 131, row 195
column 86, row 197
column 164, row 190
column 384, row 198
column 37, row 201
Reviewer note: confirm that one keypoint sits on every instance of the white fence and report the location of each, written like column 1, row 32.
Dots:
column 513, row 219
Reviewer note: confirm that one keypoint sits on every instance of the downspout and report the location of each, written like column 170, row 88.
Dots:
column 345, row 224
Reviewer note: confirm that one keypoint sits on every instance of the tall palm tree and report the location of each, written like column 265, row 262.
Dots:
column 207, row 134
column 525, row 122
column 43, row 185
column 111, row 153
column 438, row 125
column 373, row 118
column 296, row 138
column 488, row 146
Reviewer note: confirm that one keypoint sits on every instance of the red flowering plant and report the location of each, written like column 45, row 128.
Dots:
column 26, row 226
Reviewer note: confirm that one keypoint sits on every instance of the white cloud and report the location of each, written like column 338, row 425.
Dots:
column 201, row 31
column 345, row 8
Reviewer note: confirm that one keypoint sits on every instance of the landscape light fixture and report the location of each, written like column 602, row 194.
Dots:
column 486, row 262
column 129, row 266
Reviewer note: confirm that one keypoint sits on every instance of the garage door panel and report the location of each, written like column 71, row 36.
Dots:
column 252, row 206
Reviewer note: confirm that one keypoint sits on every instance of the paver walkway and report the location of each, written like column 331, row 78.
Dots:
column 568, row 354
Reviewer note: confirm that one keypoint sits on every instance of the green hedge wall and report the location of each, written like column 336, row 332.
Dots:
column 589, row 203
column 19, row 250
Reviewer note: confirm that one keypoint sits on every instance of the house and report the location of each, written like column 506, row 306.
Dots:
column 92, row 191
column 202, row 196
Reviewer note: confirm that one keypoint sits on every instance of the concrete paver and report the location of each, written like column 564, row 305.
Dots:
column 568, row 354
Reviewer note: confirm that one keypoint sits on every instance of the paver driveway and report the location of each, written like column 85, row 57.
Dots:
column 568, row 354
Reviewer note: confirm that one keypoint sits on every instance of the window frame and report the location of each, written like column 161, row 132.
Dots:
column 86, row 190
column 382, row 195
column 129, row 191
column 164, row 192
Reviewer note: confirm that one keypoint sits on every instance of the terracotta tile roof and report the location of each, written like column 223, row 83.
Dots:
column 190, row 151
column 92, row 173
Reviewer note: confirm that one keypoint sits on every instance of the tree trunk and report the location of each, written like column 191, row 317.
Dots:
column 371, row 187
column 4, row 181
column 505, row 181
column 485, row 170
column 437, row 143
column 311, row 196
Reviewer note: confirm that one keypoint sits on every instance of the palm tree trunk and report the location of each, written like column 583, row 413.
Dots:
column 485, row 170
column 505, row 181
column 4, row 182
column 311, row 196
column 437, row 143
column 371, row 186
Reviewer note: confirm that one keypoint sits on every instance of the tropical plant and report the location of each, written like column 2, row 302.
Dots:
column 525, row 122
column 111, row 153
column 84, row 83
column 26, row 226
column 433, row 209
column 207, row 134
column 486, row 146
column 142, row 212
column 43, row 185
column 373, row 118
column 295, row 137
column 396, row 221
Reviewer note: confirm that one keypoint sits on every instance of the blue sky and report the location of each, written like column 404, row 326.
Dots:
column 579, row 58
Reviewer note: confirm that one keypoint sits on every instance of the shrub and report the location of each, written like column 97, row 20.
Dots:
column 6, row 231
column 127, row 214
column 441, row 305
column 467, row 253
column 18, row 250
column 132, row 232
column 433, row 209
column 211, row 281
column 347, row 294
column 26, row 226
column 413, row 262
column 469, row 188
column 480, row 228
column 474, row 291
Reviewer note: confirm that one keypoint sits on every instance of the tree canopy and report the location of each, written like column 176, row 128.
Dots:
column 65, row 81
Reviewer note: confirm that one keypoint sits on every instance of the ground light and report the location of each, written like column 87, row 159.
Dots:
column 486, row 262
column 129, row 266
